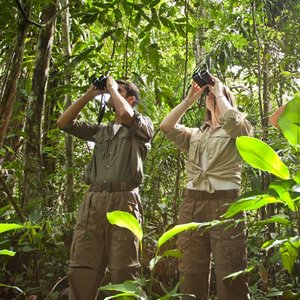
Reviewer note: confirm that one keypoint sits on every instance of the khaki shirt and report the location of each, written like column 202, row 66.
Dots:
column 117, row 157
column 223, row 161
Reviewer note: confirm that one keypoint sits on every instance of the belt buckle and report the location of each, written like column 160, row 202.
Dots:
column 107, row 186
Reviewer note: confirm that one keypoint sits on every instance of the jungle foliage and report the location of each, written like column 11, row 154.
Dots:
column 49, row 53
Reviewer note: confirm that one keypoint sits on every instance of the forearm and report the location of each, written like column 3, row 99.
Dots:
column 273, row 119
column 73, row 110
column 171, row 120
column 122, row 107
column 223, row 103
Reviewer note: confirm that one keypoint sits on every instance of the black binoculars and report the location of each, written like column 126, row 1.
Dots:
column 202, row 78
column 100, row 83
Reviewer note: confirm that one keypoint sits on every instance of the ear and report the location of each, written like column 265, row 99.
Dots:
column 131, row 100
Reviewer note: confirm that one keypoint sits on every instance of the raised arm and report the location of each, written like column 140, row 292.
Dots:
column 123, row 107
column 74, row 109
column 171, row 120
column 273, row 119
column 218, row 90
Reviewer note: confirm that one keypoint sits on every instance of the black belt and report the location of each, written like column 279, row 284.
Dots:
column 203, row 195
column 113, row 187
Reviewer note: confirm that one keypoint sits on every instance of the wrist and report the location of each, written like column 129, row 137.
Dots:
column 188, row 101
column 219, row 96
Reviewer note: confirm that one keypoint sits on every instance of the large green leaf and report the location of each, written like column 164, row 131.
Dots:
column 250, row 203
column 261, row 156
column 289, row 253
column 7, row 252
column 178, row 229
column 9, row 226
column 289, row 122
column 126, row 220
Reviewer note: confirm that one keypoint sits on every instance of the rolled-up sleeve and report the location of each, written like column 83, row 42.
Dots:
column 180, row 136
column 142, row 127
column 82, row 130
column 235, row 124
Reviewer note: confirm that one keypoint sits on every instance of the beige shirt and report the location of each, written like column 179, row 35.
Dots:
column 222, row 160
column 118, row 156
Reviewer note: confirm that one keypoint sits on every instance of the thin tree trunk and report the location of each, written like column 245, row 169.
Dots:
column 10, row 89
column 69, row 187
column 32, row 190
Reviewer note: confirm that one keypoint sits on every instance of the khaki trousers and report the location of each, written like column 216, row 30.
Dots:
column 98, row 245
column 224, row 244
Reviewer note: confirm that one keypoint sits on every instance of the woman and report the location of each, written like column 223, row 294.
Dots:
column 213, row 181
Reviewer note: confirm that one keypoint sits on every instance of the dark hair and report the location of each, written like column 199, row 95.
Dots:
column 131, row 90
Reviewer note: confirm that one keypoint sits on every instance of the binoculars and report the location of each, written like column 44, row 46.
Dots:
column 202, row 78
column 100, row 83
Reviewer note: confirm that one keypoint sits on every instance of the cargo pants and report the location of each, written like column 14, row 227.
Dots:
column 98, row 245
column 225, row 244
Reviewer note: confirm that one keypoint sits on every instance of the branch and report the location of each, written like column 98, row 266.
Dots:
column 40, row 25
column 11, row 199
column 19, row 5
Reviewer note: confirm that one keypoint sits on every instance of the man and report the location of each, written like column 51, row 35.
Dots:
column 114, row 174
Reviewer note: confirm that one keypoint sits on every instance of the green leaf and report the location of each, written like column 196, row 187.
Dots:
column 250, row 203
column 297, row 177
column 178, row 229
column 238, row 273
column 282, row 189
column 289, row 253
column 156, row 259
column 126, row 220
column 11, row 226
column 261, row 156
column 289, row 122
column 7, row 252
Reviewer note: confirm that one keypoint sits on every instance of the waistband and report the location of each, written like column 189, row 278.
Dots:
column 113, row 187
column 203, row 195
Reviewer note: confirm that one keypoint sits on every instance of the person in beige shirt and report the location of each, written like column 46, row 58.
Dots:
column 213, row 170
column 114, row 175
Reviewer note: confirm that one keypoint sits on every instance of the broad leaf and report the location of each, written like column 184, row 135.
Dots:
column 7, row 252
column 289, row 122
column 11, row 226
column 250, row 203
column 282, row 189
column 289, row 253
column 156, row 259
column 178, row 229
column 126, row 220
column 261, row 156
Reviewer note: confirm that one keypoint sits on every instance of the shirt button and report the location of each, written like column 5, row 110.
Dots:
column 107, row 166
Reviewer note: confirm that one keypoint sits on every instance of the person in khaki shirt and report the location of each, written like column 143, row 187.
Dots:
column 114, row 174
column 213, row 170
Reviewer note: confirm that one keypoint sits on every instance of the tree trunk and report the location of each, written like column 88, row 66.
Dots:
column 32, row 190
column 69, row 187
column 10, row 89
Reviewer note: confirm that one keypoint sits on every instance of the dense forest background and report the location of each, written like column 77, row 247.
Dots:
column 49, row 53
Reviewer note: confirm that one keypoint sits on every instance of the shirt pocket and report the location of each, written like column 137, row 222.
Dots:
column 197, row 146
column 219, row 141
column 101, row 148
column 122, row 144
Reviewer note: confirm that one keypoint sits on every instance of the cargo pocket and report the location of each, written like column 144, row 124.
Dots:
column 124, row 249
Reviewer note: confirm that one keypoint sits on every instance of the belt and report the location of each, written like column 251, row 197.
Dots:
column 113, row 187
column 203, row 195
